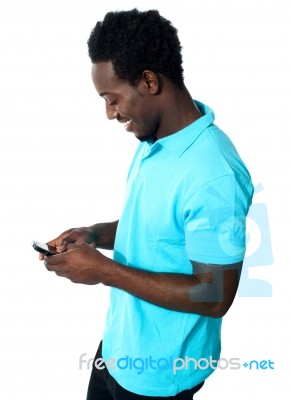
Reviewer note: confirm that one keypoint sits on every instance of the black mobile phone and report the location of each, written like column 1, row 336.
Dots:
column 43, row 248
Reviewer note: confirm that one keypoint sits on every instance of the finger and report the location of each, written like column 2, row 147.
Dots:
column 62, row 274
column 74, row 246
column 53, row 263
column 58, row 240
column 55, row 242
column 67, row 240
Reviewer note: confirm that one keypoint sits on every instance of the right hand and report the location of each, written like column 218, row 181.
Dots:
column 74, row 235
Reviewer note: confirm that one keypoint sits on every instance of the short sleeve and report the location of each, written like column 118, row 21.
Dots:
column 215, row 220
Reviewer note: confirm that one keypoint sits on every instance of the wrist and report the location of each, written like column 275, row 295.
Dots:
column 109, row 272
column 104, row 234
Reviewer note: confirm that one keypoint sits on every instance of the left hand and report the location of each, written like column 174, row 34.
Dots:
column 80, row 263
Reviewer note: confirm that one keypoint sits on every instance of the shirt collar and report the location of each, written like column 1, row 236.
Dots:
column 179, row 141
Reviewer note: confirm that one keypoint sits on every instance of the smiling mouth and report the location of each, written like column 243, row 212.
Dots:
column 127, row 125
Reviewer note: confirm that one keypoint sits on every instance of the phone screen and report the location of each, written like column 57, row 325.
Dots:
column 43, row 248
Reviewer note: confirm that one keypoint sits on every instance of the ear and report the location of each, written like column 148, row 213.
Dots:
column 151, row 82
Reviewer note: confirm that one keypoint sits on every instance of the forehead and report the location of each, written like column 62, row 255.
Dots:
column 105, row 79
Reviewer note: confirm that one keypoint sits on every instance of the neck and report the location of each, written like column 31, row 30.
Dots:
column 178, row 110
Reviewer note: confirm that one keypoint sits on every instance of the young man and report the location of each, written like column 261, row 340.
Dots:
column 180, row 242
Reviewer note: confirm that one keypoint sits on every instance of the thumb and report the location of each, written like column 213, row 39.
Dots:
column 66, row 241
column 72, row 246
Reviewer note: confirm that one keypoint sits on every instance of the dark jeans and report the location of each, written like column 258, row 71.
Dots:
column 102, row 386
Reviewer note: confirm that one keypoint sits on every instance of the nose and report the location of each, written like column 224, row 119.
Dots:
column 111, row 112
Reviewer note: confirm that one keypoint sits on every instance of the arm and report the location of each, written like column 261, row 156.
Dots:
column 105, row 234
column 209, row 291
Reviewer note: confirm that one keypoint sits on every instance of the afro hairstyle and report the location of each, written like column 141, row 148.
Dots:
column 135, row 41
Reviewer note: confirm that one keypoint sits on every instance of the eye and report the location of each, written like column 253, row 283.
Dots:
column 113, row 103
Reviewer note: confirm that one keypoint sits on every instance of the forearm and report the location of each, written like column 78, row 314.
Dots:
column 105, row 234
column 177, row 292
column 209, row 291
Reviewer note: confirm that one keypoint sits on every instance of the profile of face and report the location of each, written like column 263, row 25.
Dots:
column 133, row 106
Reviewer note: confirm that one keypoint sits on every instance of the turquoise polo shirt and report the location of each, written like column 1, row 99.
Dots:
column 187, row 198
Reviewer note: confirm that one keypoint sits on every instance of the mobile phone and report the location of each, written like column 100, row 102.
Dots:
column 43, row 248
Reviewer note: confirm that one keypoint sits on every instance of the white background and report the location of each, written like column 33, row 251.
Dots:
column 63, row 165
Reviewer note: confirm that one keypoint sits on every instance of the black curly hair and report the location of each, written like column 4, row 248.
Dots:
column 135, row 41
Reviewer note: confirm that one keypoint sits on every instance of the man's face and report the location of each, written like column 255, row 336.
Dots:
column 132, row 106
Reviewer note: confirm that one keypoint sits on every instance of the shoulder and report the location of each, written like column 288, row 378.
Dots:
column 213, row 156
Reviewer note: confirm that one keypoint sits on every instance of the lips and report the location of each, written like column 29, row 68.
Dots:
column 127, row 123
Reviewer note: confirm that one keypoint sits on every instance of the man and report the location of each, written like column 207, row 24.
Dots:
column 180, row 242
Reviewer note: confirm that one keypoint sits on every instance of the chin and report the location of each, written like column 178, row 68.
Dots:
column 144, row 138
